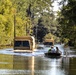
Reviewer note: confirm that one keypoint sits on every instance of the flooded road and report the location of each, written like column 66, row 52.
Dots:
column 36, row 63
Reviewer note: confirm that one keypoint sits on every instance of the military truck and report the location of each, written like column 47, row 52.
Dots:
column 48, row 42
column 24, row 44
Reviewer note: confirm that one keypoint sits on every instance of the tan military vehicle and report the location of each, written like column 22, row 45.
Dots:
column 24, row 44
column 48, row 42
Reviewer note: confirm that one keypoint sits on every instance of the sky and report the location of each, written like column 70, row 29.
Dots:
column 55, row 4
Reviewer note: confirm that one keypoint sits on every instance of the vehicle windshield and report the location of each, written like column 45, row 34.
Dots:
column 21, row 44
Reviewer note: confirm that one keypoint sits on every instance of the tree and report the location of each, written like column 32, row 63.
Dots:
column 46, row 24
column 6, row 23
column 27, row 15
column 67, row 20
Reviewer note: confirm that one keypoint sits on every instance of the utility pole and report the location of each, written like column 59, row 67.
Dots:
column 36, row 33
column 14, row 29
column 14, row 26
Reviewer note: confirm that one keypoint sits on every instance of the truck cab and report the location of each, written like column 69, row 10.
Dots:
column 24, row 44
column 48, row 42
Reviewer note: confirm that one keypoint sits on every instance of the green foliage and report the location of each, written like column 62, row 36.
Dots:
column 51, row 36
column 46, row 24
column 67, row 20
column 6, row 23
column 25, row 15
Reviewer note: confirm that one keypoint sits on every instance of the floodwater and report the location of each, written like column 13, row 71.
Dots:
column 36, row 63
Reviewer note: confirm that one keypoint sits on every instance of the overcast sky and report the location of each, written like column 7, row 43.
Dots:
column 55, row 4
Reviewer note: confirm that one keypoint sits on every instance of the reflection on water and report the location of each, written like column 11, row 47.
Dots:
column 19, row 65
column 12, row 65
column 69, row 65
column 36, row 65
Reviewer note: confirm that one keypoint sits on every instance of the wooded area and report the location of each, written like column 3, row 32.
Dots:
column 37, row 18
column 67, row 20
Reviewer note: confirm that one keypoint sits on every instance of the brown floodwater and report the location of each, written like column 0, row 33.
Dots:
column 36, row 64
